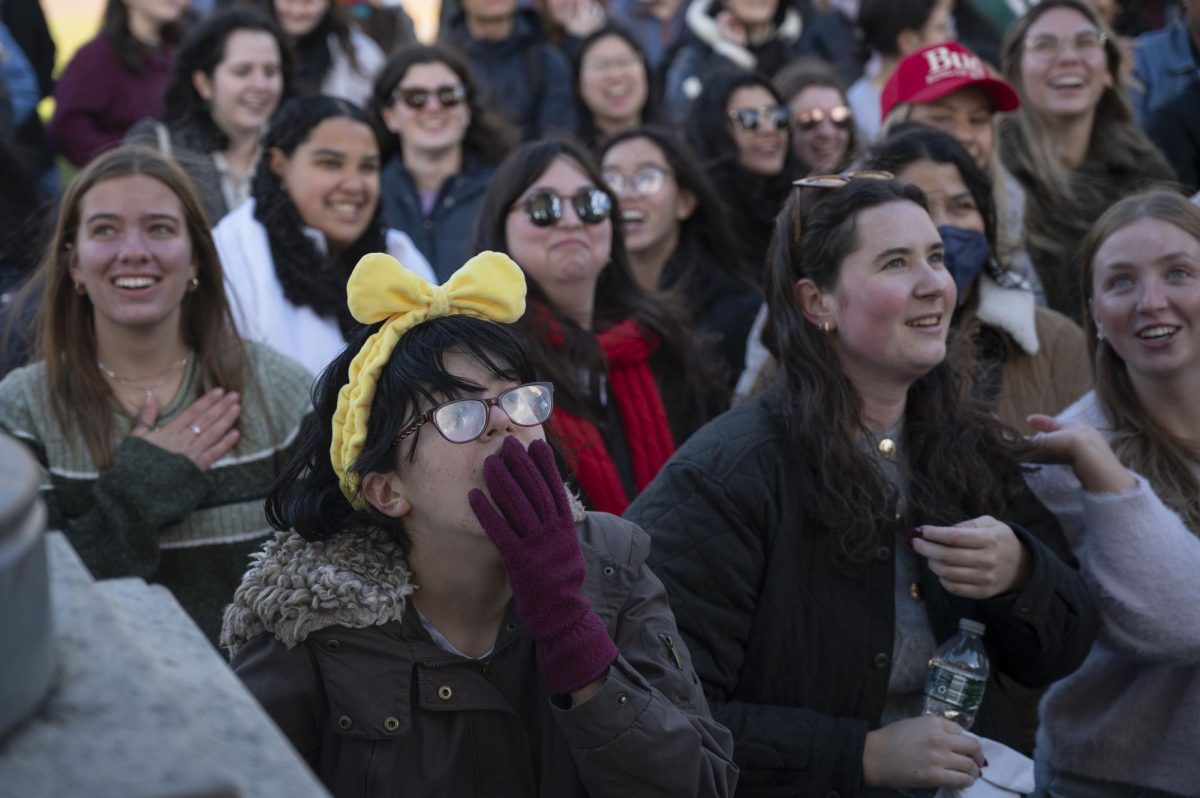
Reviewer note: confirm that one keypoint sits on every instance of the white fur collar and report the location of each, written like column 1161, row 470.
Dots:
column 1010, row 309
column 702, row 23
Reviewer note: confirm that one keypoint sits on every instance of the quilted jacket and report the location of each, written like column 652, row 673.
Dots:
column 321, row 636
column 794, row 652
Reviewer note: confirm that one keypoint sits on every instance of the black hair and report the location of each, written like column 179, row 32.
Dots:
column 305, row 273
column 708, row 130
column 882, row 21
column 781, row 10
column 587, row 121
column 306, row 495
column 488, row 137
column 910, row 142
column 129, row 51
column 947, row 430
column 312, row 56
column 707, row 230
column 618, row 298
column 203, row 50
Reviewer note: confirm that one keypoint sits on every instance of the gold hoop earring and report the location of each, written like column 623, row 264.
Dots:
column 193, row 284
column 81, row 289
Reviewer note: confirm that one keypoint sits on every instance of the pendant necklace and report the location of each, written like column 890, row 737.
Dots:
column 149, row 390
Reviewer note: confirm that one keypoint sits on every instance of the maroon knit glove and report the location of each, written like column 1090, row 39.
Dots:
column 535, row 535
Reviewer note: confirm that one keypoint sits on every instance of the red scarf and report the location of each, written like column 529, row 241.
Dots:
column 627, row 347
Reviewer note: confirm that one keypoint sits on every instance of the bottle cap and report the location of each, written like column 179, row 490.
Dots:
column 975, row 627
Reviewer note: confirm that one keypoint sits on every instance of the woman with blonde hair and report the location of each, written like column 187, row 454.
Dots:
column 158, row 429
column 1127, row 492
column 1073, row 144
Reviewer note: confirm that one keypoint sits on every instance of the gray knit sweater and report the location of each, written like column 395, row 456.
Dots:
column 153, row 513
column 1131, row 713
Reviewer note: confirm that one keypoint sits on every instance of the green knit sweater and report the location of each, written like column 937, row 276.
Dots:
column 152, row 513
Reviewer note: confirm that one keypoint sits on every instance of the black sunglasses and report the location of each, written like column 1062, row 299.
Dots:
column 748, row 119
column 545, row 208
column 447, row 96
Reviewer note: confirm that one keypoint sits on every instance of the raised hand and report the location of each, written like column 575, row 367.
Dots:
column 976, row 559
column 203, row 432
column 1082, row 447
column 534, row 532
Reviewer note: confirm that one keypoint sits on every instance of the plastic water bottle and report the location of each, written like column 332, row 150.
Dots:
column 957, row 676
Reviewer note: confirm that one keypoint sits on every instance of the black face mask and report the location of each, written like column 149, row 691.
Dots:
column 967, row 253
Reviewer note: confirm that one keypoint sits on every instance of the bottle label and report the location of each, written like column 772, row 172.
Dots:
column 964, row 692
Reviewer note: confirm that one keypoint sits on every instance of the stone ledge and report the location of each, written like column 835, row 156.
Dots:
column 143, row 705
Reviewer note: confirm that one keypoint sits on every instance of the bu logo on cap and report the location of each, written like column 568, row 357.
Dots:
column 946, row 63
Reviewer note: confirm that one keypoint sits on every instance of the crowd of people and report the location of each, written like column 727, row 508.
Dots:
column 628, row 397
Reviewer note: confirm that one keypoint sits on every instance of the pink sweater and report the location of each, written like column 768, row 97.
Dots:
column 1131, row 713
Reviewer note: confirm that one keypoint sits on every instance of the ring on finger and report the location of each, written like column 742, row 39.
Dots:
column 195, row 428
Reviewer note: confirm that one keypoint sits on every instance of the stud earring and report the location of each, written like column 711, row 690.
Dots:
column 827, row 327
column 1099, row 334
column 80, row 289
column 193, row 284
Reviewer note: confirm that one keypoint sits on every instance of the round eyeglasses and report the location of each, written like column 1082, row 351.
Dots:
column 841, row 116
column 645, row 182
column 464, row 420
column 545, row 208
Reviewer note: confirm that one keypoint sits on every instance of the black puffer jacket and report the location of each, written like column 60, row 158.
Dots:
column 795, row 652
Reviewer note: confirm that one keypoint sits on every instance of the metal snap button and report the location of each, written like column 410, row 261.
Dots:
column 344, row 722
column 622, row 698
column 881, row 661
column 333, row 645
column 390, row 724
column 445, row 693
column 609, row 570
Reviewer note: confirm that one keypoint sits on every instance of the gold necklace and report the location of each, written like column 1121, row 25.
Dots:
column 161, row 377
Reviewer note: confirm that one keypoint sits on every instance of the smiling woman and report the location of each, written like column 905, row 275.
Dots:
column 1124, row 478
column 228, row 80
column 314, row 212
column 1073, row 144
column 613, row 87
column 159, row 430
column 443, row 149
column 801, row 505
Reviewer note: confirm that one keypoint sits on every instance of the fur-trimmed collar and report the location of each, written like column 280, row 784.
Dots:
column 1010, row 309
column 701, row 19
column 295, row 587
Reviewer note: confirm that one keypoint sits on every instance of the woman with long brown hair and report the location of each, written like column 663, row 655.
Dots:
column 819, row 541
column 630, row 385
column 158, row 428
column 1073, row 144
column 1127, row 491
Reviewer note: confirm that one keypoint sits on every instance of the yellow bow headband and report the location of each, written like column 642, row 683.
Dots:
column 489, row 286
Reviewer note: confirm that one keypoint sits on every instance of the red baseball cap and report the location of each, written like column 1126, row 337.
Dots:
column 935, row 71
